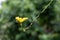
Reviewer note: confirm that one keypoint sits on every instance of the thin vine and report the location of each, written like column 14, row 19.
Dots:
column 39, row 14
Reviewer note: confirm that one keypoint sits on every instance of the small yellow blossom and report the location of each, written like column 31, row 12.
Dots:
column 21, row 19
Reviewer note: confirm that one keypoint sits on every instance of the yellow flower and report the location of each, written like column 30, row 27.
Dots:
column 21, row 19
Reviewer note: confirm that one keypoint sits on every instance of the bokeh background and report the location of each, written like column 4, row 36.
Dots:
column 45, row 27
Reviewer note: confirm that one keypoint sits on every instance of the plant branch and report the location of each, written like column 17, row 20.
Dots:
column 39, row 15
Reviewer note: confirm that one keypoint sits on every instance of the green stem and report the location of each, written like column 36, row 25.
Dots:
column 40, row 13
column 21, row 26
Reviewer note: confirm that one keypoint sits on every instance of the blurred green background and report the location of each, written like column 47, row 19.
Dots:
column 45, row 27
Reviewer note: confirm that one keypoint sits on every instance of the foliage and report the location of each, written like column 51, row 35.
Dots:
column 42, row 24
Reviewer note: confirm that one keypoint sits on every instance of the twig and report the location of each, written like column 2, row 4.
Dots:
column 40, row 13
